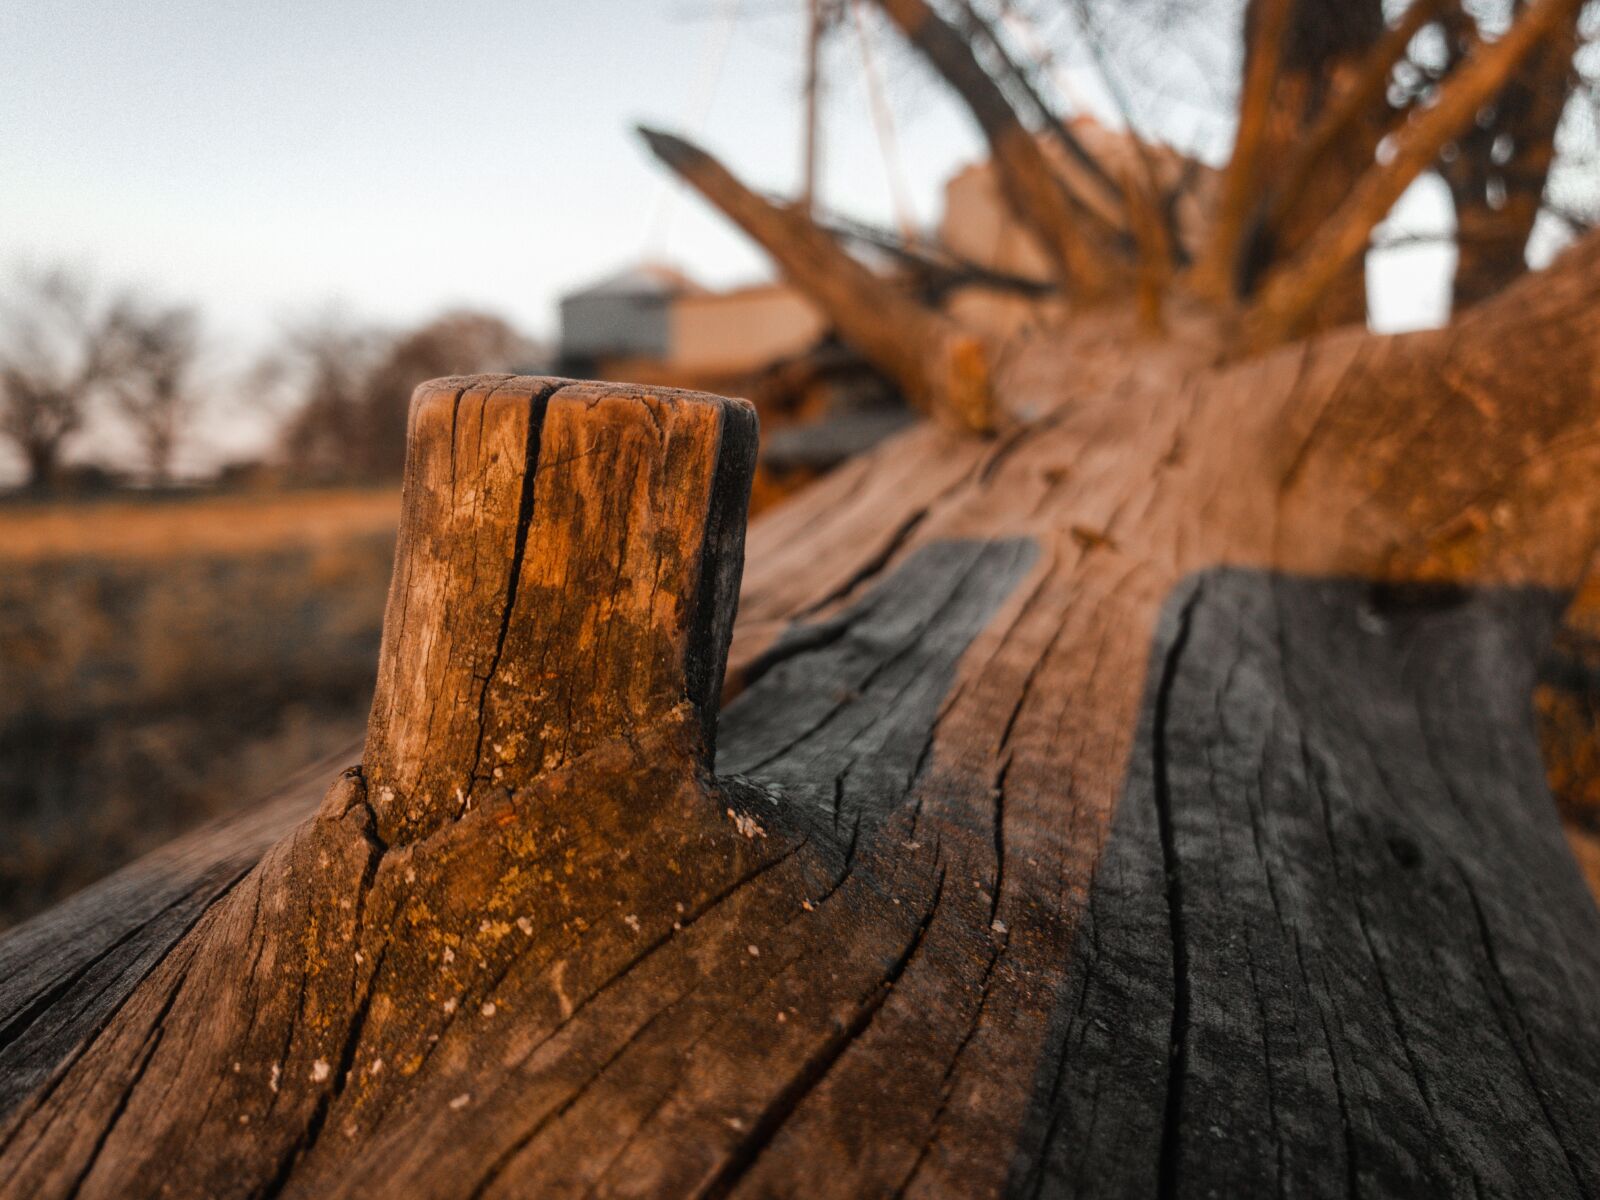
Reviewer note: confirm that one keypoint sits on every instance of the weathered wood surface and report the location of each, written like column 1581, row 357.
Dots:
column 65, row 972
column 1083, row 825
column 553, row 533
column 1356, row 1006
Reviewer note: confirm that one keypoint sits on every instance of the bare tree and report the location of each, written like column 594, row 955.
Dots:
column 321, row 374
column 149, row 355
column 455, row 343
column 51, row 362
column 346, row 386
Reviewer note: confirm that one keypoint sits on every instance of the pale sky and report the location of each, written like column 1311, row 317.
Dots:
column 263, row 159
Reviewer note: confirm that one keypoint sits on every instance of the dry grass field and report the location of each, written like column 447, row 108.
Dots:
column 166, row 660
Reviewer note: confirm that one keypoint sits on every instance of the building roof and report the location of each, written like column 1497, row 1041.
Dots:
column 641, row 279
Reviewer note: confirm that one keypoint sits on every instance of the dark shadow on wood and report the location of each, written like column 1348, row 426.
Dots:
column 1336, row 945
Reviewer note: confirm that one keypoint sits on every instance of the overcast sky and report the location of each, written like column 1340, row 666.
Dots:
column 264, row 159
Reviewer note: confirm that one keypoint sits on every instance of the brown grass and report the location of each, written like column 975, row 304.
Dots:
column 165, row 661
column 227, row 524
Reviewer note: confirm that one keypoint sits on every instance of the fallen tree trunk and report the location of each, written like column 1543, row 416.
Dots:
column 1144, row 801
column 1083, row 824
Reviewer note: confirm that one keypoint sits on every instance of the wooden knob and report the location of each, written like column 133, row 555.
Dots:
column 566, row 573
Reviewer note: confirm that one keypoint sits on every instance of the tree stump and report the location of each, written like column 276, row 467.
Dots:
column 536, row 780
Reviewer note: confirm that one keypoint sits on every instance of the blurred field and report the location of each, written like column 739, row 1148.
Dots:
column 163, row 661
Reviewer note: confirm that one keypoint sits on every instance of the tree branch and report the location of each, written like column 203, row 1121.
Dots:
column 1153, row 238
column 1216, row 272
column 1099, row 192
column 1029, row 185
column 1292, row 290
column 941, row 368
column 1497, row 193
column 1342, row 119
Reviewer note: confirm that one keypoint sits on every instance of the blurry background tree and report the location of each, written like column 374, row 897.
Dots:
column 345, row 387
column 455, row 343
column 319, row 376
column 52, row 361
column 64, row 351
column 148, row 353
